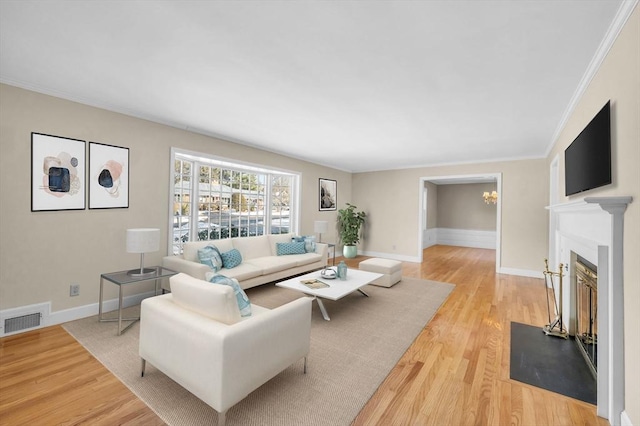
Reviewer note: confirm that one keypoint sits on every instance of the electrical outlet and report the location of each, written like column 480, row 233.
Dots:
column 74, row 290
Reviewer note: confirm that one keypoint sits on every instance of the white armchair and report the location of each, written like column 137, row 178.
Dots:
column 196, row 336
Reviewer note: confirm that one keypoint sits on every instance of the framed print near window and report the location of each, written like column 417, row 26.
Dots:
column 328, row 194
column 108, row 176
column 57, row 173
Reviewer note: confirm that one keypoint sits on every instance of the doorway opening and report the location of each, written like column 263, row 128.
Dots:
column 423, row 232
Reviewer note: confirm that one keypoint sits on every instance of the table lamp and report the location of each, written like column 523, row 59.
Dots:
column 142, row 240
column 320, row 226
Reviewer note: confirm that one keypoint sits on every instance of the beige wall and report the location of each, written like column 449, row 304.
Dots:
column 392, row 201
column 42, row 253
column 618, row 80
column 461, row 206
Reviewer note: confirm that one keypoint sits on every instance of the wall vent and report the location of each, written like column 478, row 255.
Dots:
column 23, row 319
column 22, row 323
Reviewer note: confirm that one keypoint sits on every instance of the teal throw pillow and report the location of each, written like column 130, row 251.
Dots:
column 283, row 249
column 241, row 296
column 210, row 256
column 310, row 244
column 297, row 239
column 231, row 259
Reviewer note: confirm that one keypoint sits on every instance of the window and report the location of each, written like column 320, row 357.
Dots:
column 215, row 198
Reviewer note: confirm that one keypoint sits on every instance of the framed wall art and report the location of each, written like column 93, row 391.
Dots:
column 328, row 192
column 57, row 173
column 108, row 176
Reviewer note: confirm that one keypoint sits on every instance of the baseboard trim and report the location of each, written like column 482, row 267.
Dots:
column 403, row 258
column 84, row 311
column 625, row 420
column 393, row 256
column 521, row 272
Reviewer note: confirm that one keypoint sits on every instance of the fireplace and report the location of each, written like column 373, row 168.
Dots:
column 586, row 308
column 593, row 229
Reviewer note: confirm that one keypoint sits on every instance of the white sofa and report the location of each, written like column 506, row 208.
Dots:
column 196, row 336
column 260, row 262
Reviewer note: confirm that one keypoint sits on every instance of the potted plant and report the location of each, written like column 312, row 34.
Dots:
column 350, row 223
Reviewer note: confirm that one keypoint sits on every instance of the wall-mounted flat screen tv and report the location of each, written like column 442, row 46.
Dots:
column 587, row 161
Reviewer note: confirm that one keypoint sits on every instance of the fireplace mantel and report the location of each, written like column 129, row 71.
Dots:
column 594, row 228
column 588, row 203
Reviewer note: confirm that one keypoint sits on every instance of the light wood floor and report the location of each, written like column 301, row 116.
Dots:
column 457, row 370
column 455, row 373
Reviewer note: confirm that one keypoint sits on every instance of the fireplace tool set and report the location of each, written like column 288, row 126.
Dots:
column 555, row 327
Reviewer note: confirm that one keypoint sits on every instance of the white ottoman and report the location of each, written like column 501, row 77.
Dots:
column 392, row 270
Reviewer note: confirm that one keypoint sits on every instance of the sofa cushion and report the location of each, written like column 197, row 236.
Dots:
column 231, row 259
column 285, row 249
column 305, row 259
column 243, row 301
column 244, row 271
column 210, row 256
column 271, row 264
column 213, row 301
column 252, row 247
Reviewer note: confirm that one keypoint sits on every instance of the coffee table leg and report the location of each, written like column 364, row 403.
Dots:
column 363, row 292
column 325, row 315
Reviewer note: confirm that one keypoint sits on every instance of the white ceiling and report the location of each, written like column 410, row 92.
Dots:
column 356, row 85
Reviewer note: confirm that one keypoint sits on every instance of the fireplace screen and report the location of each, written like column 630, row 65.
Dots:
column 587, row 312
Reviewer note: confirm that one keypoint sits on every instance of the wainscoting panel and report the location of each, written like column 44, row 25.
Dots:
column 466, row 238
column 429, row 237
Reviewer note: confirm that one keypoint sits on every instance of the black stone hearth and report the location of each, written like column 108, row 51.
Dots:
column 551, row 363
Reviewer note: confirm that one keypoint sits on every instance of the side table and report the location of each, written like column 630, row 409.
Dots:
column 122, row 278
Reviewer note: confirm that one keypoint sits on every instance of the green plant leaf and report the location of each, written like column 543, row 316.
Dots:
column 350, row 222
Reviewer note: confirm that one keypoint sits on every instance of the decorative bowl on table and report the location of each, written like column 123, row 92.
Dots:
column 329, row 273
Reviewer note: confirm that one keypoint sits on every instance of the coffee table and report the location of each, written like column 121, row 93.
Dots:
column 356, row 279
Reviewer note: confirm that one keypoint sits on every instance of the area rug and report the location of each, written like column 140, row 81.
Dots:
column 551, row 363
column 350, row 357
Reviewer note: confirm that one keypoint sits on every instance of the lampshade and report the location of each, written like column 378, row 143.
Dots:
column 143, row 240
column 320, row 226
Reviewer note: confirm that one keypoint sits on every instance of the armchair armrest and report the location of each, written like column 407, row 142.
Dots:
column 257, row 349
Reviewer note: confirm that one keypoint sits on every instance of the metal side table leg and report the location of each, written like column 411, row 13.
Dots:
column 133, row 320
column 120, row 310
column 101, row 299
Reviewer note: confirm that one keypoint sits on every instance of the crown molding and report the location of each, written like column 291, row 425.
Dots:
column 621, row 18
